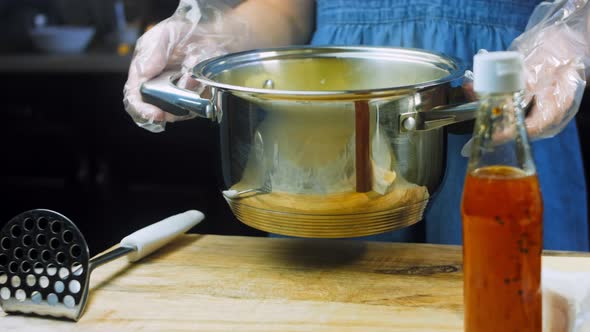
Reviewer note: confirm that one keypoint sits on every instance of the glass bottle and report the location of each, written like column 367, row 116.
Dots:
column 501, row 208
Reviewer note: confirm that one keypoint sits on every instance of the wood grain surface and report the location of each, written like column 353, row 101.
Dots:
column 225, row 283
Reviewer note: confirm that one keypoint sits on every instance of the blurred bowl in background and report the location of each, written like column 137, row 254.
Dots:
column 62, row 39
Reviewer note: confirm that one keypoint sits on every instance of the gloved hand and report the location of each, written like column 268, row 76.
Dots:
column 556, row 50
column 195, row 32
column 554, row 63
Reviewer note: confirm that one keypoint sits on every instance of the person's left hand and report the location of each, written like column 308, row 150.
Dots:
column 554, row 73
column 555, row 77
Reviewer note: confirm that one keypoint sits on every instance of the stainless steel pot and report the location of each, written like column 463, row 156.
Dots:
column 325, row 141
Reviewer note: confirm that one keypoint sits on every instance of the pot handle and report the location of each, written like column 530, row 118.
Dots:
column 438, row 117
column 163, row 93
column 445, row 115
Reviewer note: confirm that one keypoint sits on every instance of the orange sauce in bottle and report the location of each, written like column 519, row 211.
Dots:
column 502, row 214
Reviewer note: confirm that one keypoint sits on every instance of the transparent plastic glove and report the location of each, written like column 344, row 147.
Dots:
column 556, row 49
column 555, row 52
column 197, row 30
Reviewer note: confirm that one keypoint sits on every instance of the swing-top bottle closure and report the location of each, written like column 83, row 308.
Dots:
column 498, row 72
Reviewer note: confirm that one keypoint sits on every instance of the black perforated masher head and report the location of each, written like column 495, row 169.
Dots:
column 44, row 265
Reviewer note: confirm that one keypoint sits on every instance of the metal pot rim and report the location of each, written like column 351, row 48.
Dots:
column 202, row 71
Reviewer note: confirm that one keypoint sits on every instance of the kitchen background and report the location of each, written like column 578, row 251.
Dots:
column 68, row 145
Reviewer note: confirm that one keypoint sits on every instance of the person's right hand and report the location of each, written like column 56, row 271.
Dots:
column 179, row 42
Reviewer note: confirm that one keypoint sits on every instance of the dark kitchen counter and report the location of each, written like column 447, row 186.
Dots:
column 74, row 63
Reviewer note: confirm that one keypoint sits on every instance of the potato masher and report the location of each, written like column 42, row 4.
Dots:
column 45, row 266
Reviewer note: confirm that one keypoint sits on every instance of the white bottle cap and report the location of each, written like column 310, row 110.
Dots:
column 498, row 72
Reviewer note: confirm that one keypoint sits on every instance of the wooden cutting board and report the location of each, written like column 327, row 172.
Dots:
column 227, row 283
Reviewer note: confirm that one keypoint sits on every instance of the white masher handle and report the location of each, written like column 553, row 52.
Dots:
column 151, row 238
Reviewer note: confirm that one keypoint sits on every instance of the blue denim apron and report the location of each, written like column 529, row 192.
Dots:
column 460, row 28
